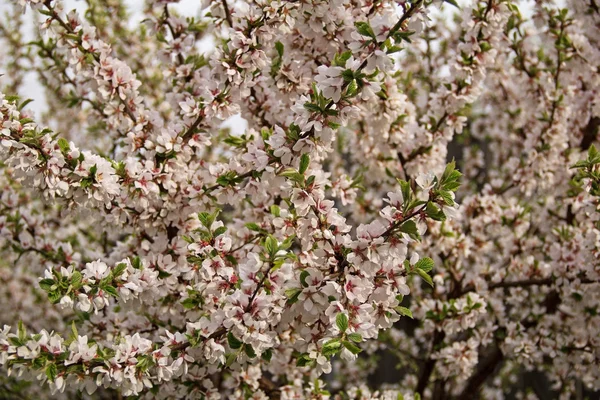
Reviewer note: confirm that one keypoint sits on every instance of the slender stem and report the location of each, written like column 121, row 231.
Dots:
column 397, row 224
column 259, row 286
column 173, row 33
column 227, row 13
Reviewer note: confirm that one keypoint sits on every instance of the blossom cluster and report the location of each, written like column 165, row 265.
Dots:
column 147, row 250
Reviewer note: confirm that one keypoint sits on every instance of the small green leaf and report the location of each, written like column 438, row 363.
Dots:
column 233, row 342
column 267, row 354
column 303, row 275
column 352, row 89
column 46, row 284
column 292, row 174
column 249, row 350
column 404, row 311
column 279, row 48
column 119, row 269
column 76, row 279
column 365, row 29
column 230, row 359
column 163, row 274
column 355, row 337
column 331, row 347
column 425, row 276
column 292, row 295
column 51, row 372
column 354, row 349
column 341, row 320
column 63, row 145
column 410, row 228
column 21, row 333
column 111, row 290
column 304, row 360
column 271, row 246
column 304, row 163
column 74, row 333
column 189, row 303
column 219, row 231
column 434, row 212
column 425, row 264
column 253, row 226
column 275, row 210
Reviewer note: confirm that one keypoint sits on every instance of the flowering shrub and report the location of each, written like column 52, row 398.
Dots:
column 149, row 252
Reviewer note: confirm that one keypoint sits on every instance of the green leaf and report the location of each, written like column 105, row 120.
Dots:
column 74, row 333
column 119, row 269
column 111, row 290
column 63, row 145
column 410, row 228
column 354, row 349
column 21, row 333
column 253, row 226
column 352, row 89
column 446, row 196
column 331, row 347
column 163, row 274
column 365, row 29
column 425, row 264
column 206, row 219
column 279, row 48
column 452, row 2
column 267, row 355
column 303, row 275
column 46, row 284
column 434, row 212
column 341, row 320
column 292, row 295
column 425, row 276
column 340, row 59
column 136, row 263
column 51, row 372
column 235, row 141
column 76, row 279
column 304, row 360
column 231, row 357
column 355, row 337
column 271, row 246
column 275, row 210
column 292, row 174
column 189, row 303
column 304, row 163
column 233, row 342
column 249, row 351
column 404, row 311
column 219, row 231
column 24, row 103
column 592, row 152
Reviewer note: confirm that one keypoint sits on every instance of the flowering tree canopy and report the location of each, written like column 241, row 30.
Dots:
column 148, row 251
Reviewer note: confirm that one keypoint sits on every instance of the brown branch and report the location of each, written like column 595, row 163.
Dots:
column 397, row 224
column 523, row 284
column 590, row 133
column 173, row 33
column 487, row 368
column 438, row 338
column 227, row 13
